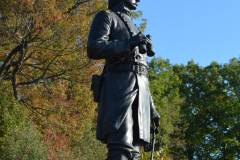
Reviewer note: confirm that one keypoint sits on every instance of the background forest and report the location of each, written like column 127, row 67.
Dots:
column 47, row 109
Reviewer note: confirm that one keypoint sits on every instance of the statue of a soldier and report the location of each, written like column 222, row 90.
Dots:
column 126, row 107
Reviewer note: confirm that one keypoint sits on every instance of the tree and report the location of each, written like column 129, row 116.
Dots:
column 43, row 40
column 44, row 66
column 164, row 89
column 199, row 108
column 231, row 76
column 43, row 48
column 211, row 110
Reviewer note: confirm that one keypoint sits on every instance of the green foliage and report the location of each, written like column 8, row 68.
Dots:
column 136, row 15
column 25, row 143
column 19, row 137
column 89, row 147
column 211, row 109
column 199, row 107
column 44, row 66
column 163, row 84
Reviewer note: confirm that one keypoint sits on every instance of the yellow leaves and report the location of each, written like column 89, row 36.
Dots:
column 58, row 36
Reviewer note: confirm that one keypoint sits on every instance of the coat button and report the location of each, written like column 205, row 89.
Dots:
column 137, row 57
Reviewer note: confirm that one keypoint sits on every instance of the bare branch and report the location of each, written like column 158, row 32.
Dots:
column 14, row 84
column 7, row 63
column 35, row 108
column 25, row 75
column 30, row 55
column 26, row 24
column 42, row 77
column 36, row 67
column 16, row 39
column 56, row 75
column 36, row 64
column 32, row 107
column 15, row 72
column 75, row 6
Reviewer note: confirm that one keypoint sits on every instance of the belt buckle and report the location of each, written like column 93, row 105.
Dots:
column 142, row 69
column 137, row 68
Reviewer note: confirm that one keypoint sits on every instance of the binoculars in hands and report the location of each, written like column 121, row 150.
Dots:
column 149, row 48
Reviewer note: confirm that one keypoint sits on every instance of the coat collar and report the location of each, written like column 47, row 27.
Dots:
column 122, row 10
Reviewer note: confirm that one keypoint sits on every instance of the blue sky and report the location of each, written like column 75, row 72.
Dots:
column 202, row 30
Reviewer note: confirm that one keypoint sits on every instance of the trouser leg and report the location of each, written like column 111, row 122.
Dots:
column 124, row 155
column 119, row 144
column 125, row 143
column 137, row 143
column 120, row 155
column 137, row 146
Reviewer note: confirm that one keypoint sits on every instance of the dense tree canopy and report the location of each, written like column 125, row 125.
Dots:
column 164, row 89
column 44, row 41
column 44, row 66
column 211, row 109
column 202, row 103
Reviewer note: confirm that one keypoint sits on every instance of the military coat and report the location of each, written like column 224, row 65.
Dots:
column 109, row 39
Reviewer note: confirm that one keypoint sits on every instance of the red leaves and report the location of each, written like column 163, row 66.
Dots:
column 58, row 143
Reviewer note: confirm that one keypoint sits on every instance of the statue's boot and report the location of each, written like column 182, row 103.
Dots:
column 124, row 155
column 118, row 155
column 125, row 143
column 136, row 155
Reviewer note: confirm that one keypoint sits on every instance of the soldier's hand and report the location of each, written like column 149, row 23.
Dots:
column 137, row 40
column 156, row 118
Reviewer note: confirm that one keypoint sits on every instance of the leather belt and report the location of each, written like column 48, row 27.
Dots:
column 140, row 69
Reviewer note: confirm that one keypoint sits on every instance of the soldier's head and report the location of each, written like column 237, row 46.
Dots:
column 130, row 4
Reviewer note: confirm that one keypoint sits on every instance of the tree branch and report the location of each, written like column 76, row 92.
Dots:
column 75, row 6
column 6, row 65
column 14, row 84
column 42, row 77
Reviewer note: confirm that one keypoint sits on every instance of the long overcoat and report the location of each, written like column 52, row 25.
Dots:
column 109, row 39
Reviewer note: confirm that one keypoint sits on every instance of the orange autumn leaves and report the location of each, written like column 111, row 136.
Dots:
column 43, row 51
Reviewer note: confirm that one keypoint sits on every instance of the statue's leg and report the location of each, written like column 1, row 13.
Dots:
column 137, row 146
column 137, row 143
column 125, row 143
column 119, row 144
column 118, row 155
column 123, row 155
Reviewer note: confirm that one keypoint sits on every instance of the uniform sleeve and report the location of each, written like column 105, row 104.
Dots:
column 99, row 45
column 152, row 108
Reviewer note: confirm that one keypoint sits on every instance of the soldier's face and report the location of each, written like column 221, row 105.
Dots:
column 131, row 4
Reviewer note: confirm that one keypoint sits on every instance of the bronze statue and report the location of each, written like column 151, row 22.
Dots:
column 126, row 107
